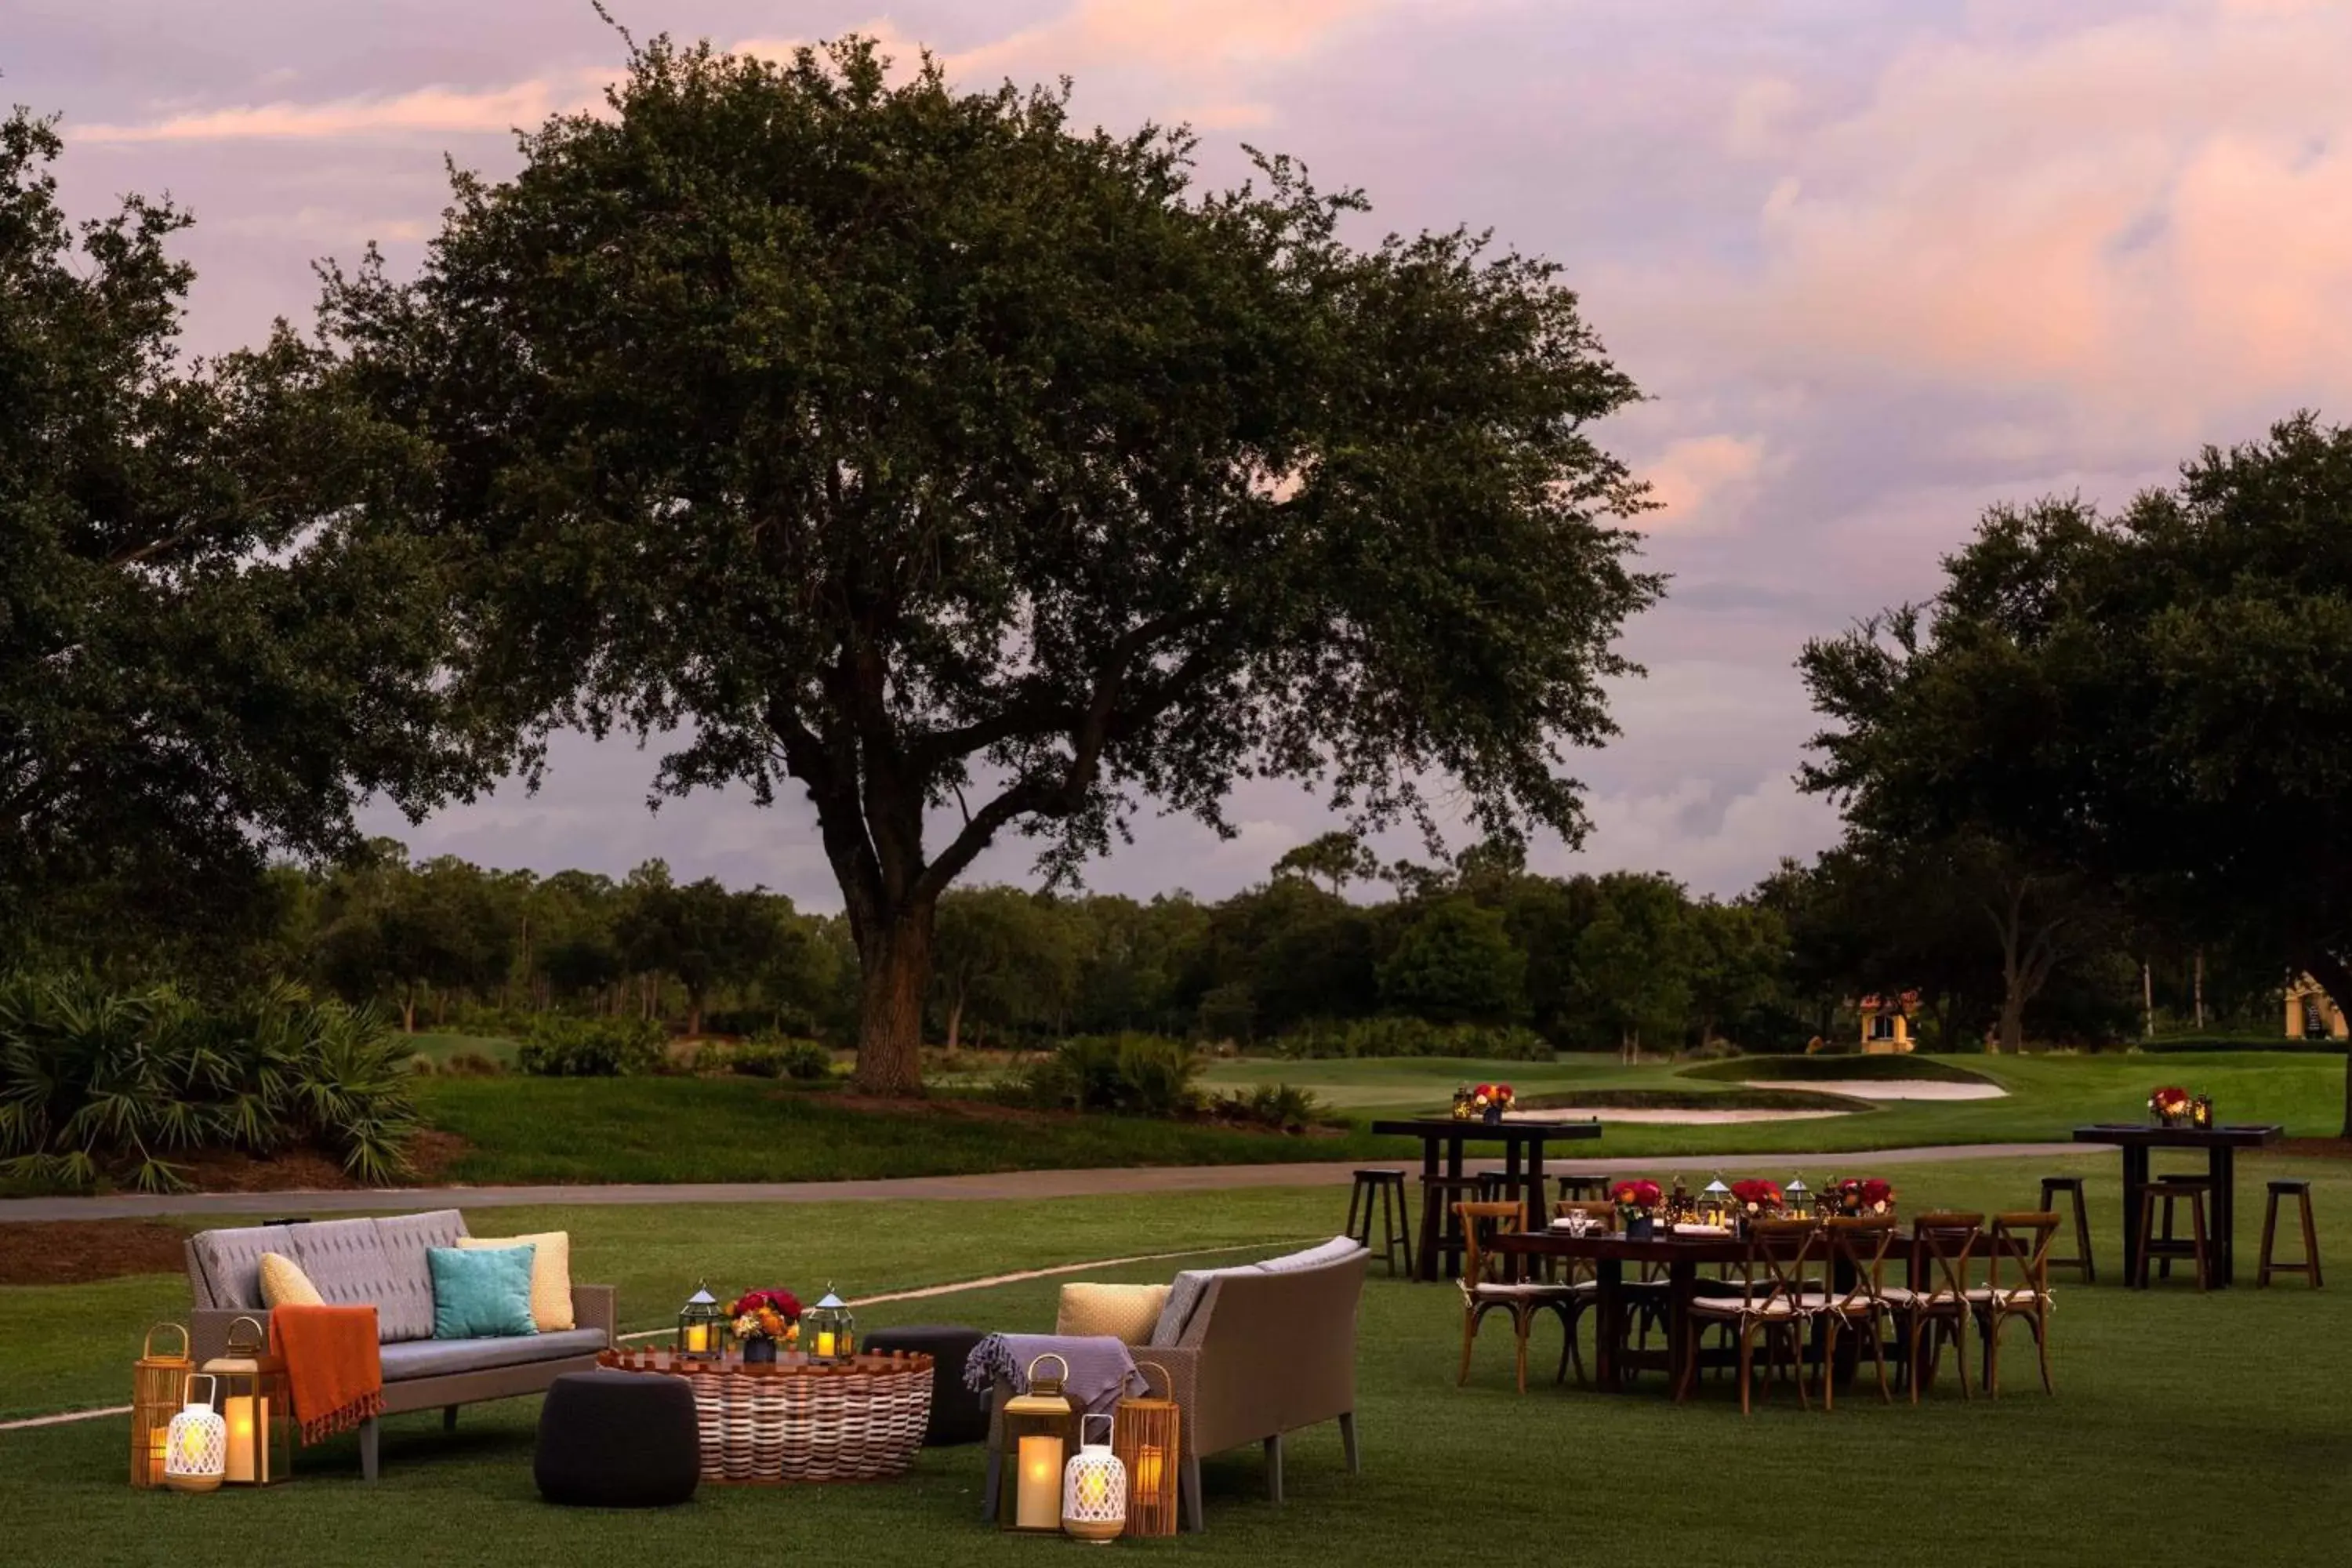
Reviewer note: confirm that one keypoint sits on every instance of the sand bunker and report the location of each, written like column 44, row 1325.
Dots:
column 1887, row 1088
column 1671, row 1116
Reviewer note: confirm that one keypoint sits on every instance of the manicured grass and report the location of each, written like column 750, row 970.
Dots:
column 529, row 1129
column 2184, row 1425
column 438, row 1048
column 1834, row 1069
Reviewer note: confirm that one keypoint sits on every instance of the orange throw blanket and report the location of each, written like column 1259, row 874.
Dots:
column 331, row 1361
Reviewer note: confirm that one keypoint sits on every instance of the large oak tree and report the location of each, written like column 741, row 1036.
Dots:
column 2157, row 701
column 209, row 649
column 940, row 457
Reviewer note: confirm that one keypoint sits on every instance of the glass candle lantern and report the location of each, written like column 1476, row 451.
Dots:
column 1036, row 1434
column 196, row 1444
column 701, row 1326
column 1094, row 1487
column 256, row 1406
column 1797, row 1199
column 1144, row 1435
column 828, row 1330
column 1715, row 1204
column 159, row 1387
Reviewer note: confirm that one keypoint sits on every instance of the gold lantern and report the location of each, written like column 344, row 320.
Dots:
column 257, row 1404
column 1094, row 1489
column 196, row 1444
column 1036, row 1435
column 1716, row 1205
column 159, row 1387
column 701, row 1326
column 828, row 1330
column 1144, row 1437
column 1797, row 1199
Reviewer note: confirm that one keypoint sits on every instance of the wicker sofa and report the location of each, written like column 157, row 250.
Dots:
column 1254, row 1352
column 380, row 1263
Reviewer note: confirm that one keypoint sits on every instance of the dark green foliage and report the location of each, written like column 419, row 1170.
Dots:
column 562, row 1047
column 1415, row 1037
column 1133, row 1075
column 98, row 1082
column 1455, row 963
column 890, row 443
column 772, row 1056
column 1280, row 1106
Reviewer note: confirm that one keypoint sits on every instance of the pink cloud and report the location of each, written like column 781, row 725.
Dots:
column 431, row 109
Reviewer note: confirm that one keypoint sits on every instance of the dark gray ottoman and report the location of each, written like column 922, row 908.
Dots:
column 617, row 1439
column 958, row 1414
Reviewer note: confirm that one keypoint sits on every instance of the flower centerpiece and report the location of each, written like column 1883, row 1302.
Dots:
column 1858, row 1197
column 2171, row 1106
column 1758, row 1199
column 1491, row 1099
column 1637, row 1202
column 765, row 1321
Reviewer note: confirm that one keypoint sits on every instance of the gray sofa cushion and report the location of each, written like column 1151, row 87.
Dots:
column 407, row 1312
column 226, row 1264
column 437, row 1358
column 1335, row 1250
column 1186, row 1294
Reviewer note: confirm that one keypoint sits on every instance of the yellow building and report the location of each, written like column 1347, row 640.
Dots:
column 2310, row 1010
column 1886, row 1024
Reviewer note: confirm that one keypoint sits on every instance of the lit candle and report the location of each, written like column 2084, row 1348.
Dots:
column 698, row 1339
column 240, row 1411
column 1148, row 1461
column 824, row 1341
column 1038, row 1503
column 1094, row 1487
column 192, row 1445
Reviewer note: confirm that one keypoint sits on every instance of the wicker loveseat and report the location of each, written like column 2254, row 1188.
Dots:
column 1254, row 1352
column 380, row 1263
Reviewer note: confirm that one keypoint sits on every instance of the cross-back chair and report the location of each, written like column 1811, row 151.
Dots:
column 1857, row 1250
column 1485, row 1287
column 2017, row 1285
column 1773, row 1302
column 1947, row 1244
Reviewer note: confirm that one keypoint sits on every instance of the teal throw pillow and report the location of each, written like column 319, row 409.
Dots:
column 480, row 1295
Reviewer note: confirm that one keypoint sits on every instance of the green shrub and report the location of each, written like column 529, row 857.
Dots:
column 560, row 1046
column 1133, row 1075
column 1402, row 1036
column 98, row 1081
column 772, row 1056
column 1279, row 1106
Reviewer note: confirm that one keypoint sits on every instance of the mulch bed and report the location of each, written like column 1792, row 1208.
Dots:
column 76, row 1252
column 2316, row 1148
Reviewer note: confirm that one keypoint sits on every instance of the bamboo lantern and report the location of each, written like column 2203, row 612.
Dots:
column 1144, row 1437
column 196, row 1444
column 1094, row 1489
column 159, row 1387
column 1036, row 1433
column 256, row 1406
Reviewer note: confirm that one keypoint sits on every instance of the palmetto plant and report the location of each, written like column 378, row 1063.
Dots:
column 97, row 1081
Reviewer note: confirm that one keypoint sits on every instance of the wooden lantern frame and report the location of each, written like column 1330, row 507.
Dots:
column 702, row 1311
column 1043, row 1412
column 249, row 1372
column 1145, row 1435
column 159, row 1387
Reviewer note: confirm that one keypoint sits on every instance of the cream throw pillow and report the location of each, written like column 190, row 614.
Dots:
column 550, row 1274
column 283, row 1284
column 1128, row 1313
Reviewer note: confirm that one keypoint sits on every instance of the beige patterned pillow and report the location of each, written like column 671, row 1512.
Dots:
column 550, row 1273
column 1125, row 1312
column 283, row 1284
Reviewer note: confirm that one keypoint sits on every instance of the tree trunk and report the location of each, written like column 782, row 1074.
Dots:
column 2200, row 990
column 2146, row 1001
column 895, row 964
column 955, row 1022
column 408, row 1010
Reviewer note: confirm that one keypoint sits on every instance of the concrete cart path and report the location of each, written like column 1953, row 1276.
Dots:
column 1004, row 1184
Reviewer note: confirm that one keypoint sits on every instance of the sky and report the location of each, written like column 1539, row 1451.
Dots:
column 1876, row 264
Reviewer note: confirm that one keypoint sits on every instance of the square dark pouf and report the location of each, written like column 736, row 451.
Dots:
column 617, row 1439
column 958, row 1414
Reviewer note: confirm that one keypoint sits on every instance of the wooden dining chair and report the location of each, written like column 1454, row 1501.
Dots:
column 1773, row 1303
column 1947, row 1245
column 1857, row 1249
column 1486, row 1289
column 2017, row 1285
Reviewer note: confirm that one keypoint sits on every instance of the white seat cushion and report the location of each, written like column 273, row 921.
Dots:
column 2019, row 1295
column 1744, row 1307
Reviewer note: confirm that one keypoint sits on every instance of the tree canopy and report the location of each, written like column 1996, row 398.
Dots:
column 945, row 460
column 207, row 649
column 2156, row 700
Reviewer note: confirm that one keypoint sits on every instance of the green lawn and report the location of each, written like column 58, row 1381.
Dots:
column 2184, row 1425
column 439, row 1047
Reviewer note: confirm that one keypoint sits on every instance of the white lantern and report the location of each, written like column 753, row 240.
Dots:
column 196, row 1444
column 1094, row 1487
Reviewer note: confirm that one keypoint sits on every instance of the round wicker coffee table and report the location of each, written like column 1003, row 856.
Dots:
column 799, row 1420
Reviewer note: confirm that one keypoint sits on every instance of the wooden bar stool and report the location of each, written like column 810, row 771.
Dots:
column 2309, row 1267
column 2081, row 1262
column 2165, row 1247
column 1385, row 1190
column 1582, row 1189
column 1441, row 1229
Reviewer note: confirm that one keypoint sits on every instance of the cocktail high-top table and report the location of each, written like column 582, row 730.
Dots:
column 2220, row 1145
